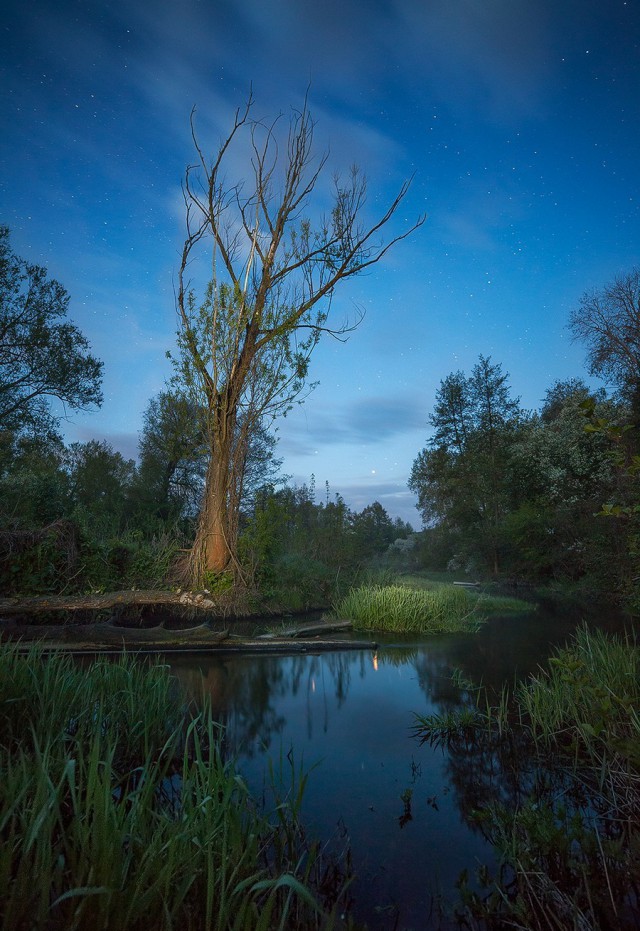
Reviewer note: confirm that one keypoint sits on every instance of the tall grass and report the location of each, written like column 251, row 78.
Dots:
column 404, row 610
column 117, row 810
column 565, row 748
column 588, row 699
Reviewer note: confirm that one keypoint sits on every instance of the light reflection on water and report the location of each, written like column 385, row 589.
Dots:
column 403, row 808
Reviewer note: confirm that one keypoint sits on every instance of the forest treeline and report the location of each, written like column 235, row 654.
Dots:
column 81, row 518
column 549, row 495
column 274, row 256
column 545, row 496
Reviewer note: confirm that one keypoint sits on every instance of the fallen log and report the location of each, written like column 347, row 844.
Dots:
column 219, row 643
column 290, row 645
column 100, row 636
column 99, row 602
column 327, row 626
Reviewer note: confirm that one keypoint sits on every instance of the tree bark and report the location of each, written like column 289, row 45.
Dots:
column 245, row 349
column 215, row 540
column 325, row 626
column 227, row 645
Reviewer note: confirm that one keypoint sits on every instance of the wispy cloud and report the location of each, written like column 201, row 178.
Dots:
column 367, row 421
column 124, row 443
column 490, row 55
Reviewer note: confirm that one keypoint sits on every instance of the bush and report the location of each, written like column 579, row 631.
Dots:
column 298, row 583
column 65, row 558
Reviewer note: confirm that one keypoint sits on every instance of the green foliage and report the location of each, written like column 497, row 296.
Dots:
column 298, row 583
column 401, row 609
column 446, row 728
column 67, row 558
column 118, row 799
column 562, row 473
column 372, row 531
column 585, row 701
column 129, row 561
column 100, row 483
column 312, row 548
column 42, row 561
column 216, row 583
column 34, row 484
column 173, row 457
column 501, row 491
column 437, row 545
column 461, row 479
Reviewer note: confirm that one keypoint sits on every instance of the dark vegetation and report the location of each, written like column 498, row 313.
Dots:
column 546, row 497
column 133, row 820
column 556, row 789
column 119, row 810
column 81, row 518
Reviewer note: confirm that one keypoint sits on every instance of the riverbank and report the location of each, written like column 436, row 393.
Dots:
column 563, row 810
column 118, row 799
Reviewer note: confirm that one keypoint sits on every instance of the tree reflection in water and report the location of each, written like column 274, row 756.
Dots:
column 246, row 692
column 562, row 809
column 480, row 772
column 371, row 791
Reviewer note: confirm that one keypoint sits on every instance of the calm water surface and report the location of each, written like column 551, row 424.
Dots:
column 401, row 808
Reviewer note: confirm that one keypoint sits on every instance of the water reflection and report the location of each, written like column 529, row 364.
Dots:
column 247, row 693
column 374, row 787
column 407, row 811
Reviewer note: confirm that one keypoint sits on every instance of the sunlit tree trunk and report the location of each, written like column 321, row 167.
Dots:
column 215, row 542
column 214, row 548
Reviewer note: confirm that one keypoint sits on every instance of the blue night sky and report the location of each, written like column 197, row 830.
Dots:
column 519, row 120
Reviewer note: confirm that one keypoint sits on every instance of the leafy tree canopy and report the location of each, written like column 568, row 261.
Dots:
column 100, row 480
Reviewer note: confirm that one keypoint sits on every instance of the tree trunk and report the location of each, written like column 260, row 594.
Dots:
column 214, row 547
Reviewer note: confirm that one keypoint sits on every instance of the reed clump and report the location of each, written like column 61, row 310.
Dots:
column 587, row 701
column 118, row 810
column 400, row 609
column 562, row 804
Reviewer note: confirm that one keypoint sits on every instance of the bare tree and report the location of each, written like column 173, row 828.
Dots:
column 245, row 348
column 608, row 321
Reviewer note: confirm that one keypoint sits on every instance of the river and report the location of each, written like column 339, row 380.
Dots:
column 401, row 808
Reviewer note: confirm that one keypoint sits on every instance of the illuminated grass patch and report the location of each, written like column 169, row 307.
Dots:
column 405, row 610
